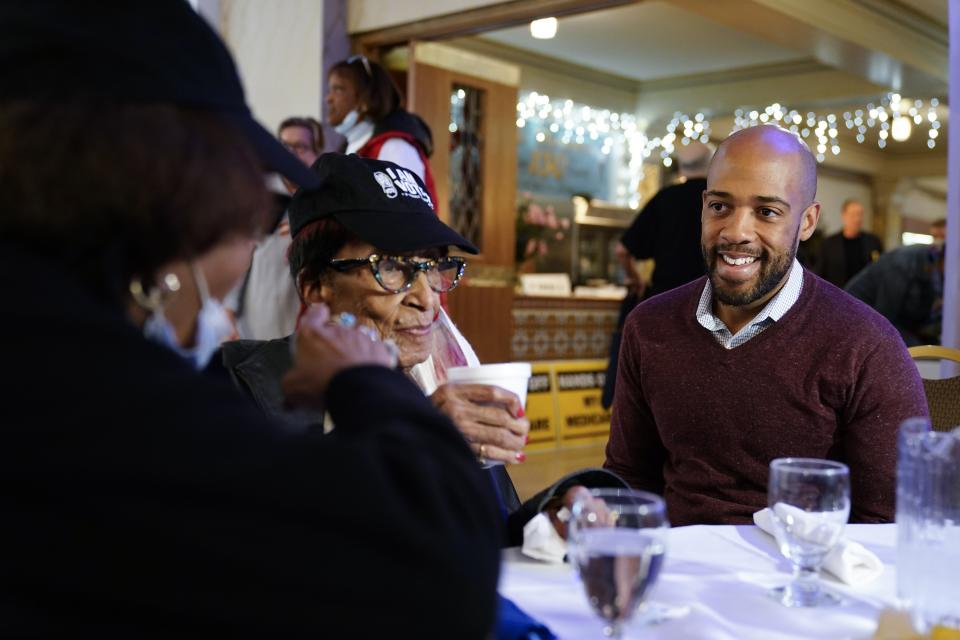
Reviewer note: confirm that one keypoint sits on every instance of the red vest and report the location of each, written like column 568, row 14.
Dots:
column 372, row 150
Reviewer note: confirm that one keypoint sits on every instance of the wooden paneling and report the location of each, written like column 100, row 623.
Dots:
column 500, row 168
column 483, row 313
column 428, row 95
column 484, row 316
column 430, row 88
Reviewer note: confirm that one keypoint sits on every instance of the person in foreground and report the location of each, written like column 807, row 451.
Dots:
column 760, row 359
column 142, row 498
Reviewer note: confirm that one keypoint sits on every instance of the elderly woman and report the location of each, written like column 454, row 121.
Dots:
column 368, row 245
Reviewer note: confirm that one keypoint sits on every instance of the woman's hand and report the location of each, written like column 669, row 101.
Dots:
column 490, row 418
column 321, row 351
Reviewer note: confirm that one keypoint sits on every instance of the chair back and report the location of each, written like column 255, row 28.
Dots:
column 943, row 395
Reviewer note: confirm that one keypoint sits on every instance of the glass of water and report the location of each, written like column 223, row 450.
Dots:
column 809, row 500
column 928, row 525
column 617, row 541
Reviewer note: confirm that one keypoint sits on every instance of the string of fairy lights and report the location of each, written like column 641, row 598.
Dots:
column 624, row 135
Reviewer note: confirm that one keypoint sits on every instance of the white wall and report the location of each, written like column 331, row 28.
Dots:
column 913, row 202
column 367, row 15
column 832, row 191
column 278, row 47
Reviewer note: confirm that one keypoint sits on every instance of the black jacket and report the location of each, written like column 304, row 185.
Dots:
column 832, row 261
column 257, row 367
column 668, row 230
column 409, row 123
column 142, row 499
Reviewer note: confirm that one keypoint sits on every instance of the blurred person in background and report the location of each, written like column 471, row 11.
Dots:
column 667, row 231
column 668, row 228
column 365, row 106
column 844, row 254
column 303, row 137
column 938, row 231
column 906, row 286
column 266, row 304
column 141, row 497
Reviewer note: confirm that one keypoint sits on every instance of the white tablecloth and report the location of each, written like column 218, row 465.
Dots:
column 722, row 575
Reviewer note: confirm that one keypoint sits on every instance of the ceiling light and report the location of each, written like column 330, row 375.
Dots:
column 543, row 29
column 901, row 128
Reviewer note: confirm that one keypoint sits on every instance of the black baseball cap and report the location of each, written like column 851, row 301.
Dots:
column 378, row 201
column 154, row 52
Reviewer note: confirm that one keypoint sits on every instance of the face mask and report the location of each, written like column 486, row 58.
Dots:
column 349, row 121
column 213, row 327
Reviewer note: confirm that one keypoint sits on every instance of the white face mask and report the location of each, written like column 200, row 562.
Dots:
column 213, row 327
column 349, row 121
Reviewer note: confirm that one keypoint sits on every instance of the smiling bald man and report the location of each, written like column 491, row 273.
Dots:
column 760, row 359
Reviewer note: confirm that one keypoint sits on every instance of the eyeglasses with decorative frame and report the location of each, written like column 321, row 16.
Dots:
column 396, row 274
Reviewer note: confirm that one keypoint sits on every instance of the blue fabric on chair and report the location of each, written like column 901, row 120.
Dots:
column 514, row 624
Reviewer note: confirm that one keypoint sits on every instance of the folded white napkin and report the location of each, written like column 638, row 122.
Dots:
column 541, row 541
column 849, row 561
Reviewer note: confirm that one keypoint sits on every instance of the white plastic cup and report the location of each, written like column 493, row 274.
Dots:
column 512, row 376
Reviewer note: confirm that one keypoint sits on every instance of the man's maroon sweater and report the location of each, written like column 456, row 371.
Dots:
column 699, row 423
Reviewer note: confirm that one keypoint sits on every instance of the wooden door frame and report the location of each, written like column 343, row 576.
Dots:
column 474, row 21
column 497, row 238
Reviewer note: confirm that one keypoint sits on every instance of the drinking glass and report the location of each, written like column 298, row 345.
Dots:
column 617, row 541
column 809, row 500
column 928, row 524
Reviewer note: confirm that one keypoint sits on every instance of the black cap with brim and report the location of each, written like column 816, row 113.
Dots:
column 274, row 155
column 380, row 202
column 402, row 232
column 157, row 52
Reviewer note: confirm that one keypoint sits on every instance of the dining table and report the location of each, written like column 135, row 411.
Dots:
column 715, row 584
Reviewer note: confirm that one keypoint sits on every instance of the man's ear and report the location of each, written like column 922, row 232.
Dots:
column 808, row 221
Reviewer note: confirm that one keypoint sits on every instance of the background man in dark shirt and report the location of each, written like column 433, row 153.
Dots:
column 844, row 254
column 668, row 231
column 668, row 228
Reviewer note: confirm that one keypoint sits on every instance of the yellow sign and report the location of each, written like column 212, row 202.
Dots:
column 579, row 387
column 541, row 410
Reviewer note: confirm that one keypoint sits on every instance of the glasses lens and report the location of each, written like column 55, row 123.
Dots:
column 394, row 274
column 445, row 275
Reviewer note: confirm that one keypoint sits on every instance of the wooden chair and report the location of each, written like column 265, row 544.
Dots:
column 943, row 395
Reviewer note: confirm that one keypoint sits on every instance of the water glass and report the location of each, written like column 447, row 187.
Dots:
column 928, row 524
column 617, row 542
column 809, row 500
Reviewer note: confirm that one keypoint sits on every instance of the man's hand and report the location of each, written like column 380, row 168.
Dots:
column 552, row 510
column 322, row 351
column 490, row 418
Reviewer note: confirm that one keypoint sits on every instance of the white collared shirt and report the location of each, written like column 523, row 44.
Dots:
column 771, row 312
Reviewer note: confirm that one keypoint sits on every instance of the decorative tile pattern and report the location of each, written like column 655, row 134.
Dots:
column 562, row 329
